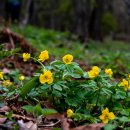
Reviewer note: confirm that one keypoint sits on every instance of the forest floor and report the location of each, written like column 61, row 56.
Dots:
column 110, row 54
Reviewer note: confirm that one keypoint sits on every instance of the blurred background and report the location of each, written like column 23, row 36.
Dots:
column 95, row 32
column 94, row 19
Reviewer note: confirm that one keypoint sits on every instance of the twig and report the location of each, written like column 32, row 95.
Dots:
column 50, row 125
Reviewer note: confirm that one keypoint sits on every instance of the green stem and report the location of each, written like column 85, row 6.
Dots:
column 53, row 100
column 98, row 93
column 21, row 83
column 38, row 62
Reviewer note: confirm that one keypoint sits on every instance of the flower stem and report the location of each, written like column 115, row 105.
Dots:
column 98, row 93
column 38, row 62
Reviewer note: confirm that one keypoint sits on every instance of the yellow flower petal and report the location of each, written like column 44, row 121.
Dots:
column 1, row 75
column 94, row 72
column 106, row 116
column 105, row 121
column 102, row 117
column 67, row 59
column 70, row 113
column 111, row 116
column 21, row 78
column 26, row 56
column 96, row 68
column 46, row 77
column 44, row 56
column 6, row 83
column 109, row 72
column 105, row 111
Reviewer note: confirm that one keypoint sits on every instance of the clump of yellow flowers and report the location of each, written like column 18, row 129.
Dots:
column 94, row 72
column 46, row 77
column 109, row 72
column 70, row 113
column 26, row 57
column 125, row 83
column 106, row 116
column 67, row 59
column 43, row 56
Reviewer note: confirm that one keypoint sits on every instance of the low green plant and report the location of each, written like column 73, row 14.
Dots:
column 88, row 94
column 92, row 96
column 38, row 111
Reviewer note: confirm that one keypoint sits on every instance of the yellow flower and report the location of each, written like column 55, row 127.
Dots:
column 21, row 78
column 26, row 56
column 67, row 59
column 94, row 72
column 109, row 72
column 46, row 77
column 96, row 68
column 6, row 83
column 43, row 56
column 125, row 84
column 1, row 75
column 106, row 116
column 70, row 113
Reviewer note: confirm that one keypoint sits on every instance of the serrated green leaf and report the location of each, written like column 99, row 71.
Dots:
column 57, row 87
column 56, row 62
column 120, row 95
column 106, row 91
column 44, row 87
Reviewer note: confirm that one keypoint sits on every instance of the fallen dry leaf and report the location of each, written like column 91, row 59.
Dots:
column 27, row 126
column 90, row 127
column 5, row 70
column 4, row 109
column 23, row 117
column 64, row 123
column 2, row 120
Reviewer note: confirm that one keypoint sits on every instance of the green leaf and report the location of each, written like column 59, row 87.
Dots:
column 1, row 47
column 57, row 87
column 34, row 82
column 65, row 74
column 70, row 68
column 110, row 127
column 56, row 93
column 28, row 108
column 44, row 87
column 85, row 75
column 106, row 91
column 38, row 110
column 5, row 53
column 56, row 62
column 125, row 112
column 9, row 115
column 78, row 69
column 79, row 117
column 124, row 119
column 47, row 112
column 120, row 95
